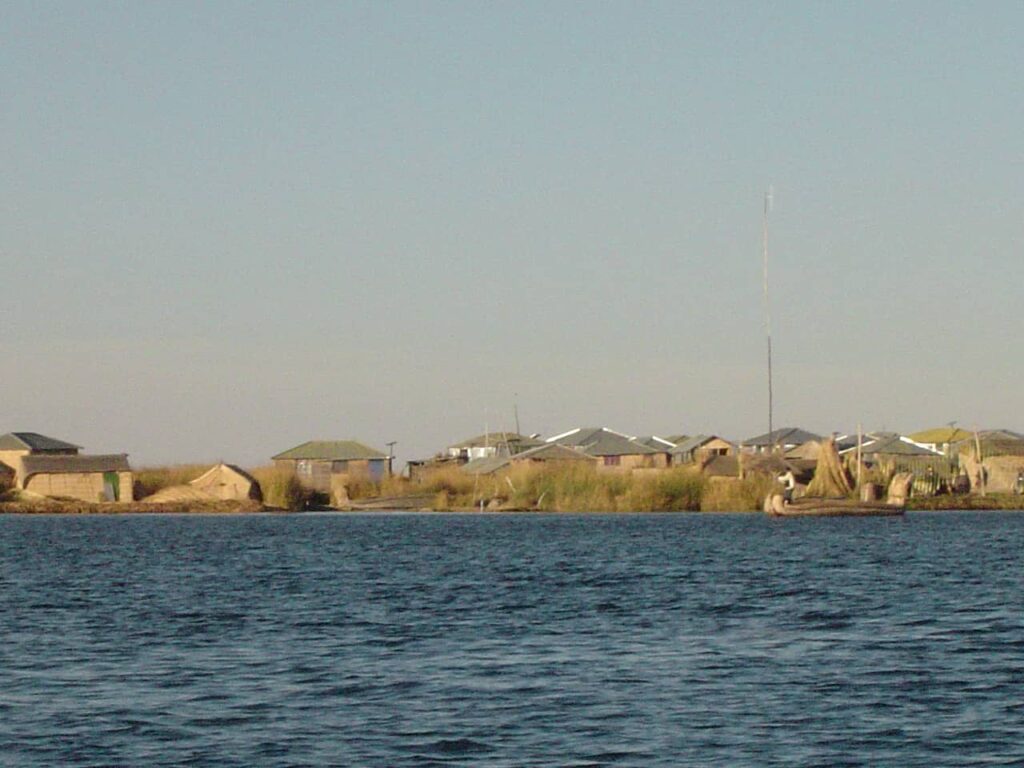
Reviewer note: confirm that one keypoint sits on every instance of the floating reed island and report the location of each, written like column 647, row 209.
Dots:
column 585, row 470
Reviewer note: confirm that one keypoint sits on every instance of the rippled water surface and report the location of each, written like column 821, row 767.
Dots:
column 516, row 640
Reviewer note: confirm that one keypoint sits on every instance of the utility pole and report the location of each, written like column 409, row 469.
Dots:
column 391, row 456
column 767, row 312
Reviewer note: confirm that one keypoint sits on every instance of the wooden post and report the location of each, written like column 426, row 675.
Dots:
column 859, row 433
column 981, row 464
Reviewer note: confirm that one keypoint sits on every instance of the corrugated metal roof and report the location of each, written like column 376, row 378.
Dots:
column 55, row 465
column 783, row 436
column 33, row 441
column 546, row 452
column 692, row 443
column 499, row 438
column 331, row 450
column 940, row 435
column 611, row 444
column 895, row 446
column 601, row 441
column 655, row 442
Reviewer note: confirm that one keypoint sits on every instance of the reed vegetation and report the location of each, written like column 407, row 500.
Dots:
column 282, row 489
column 563, row 488
column 149, row 480
column 728, row 494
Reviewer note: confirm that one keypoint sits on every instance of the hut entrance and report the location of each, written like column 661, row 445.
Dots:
column 111, row 486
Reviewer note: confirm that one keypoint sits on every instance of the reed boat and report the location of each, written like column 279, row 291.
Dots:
column 820, row 507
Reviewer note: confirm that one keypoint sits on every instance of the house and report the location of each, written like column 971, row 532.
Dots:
column 993, row 442
column 700, row 448
column 613, row 450
column 51, row 467
column 898, row 453
column 229, row 483
column 15, row 445
column 785, row 439
column 1002, row 460
column 317, row 461
column 545, row 454
column 491, row 444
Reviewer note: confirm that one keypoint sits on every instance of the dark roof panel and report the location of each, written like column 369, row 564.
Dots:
column 499, row 438
column 783, row 436
column 33, row 441
column 54, row 465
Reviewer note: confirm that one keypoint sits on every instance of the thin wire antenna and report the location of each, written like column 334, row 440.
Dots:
column 768, row 313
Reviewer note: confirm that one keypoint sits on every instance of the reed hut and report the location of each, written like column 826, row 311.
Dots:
column 85, row 478
column 228, row 483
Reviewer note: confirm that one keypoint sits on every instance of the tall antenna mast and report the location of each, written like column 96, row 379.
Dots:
column 767, row 310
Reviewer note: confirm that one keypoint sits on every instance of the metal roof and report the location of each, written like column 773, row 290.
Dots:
column 498, row 438
column 331, row 450
column 941, row 435
column 33, row 441
column 896, row 446
column 783, row 436
column 655, row 442
column 693, row 443
column 55, row 465
column 612, row 444
column 546, row 452
column 601, row 441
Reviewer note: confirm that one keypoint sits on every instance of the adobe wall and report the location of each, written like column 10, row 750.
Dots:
column 13, row 460
column 84, row 486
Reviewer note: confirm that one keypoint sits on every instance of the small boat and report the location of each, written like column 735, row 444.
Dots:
column 821, row 507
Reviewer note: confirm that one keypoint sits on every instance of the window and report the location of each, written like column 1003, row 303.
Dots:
column 612, row 461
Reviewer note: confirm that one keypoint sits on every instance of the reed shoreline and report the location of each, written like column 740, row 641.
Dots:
column 528, row 489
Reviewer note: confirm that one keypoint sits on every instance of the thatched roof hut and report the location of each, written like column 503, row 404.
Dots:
column 228, row 483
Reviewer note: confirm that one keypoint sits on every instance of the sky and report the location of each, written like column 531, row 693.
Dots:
column 227, row 228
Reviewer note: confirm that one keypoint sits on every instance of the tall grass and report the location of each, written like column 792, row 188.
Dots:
column 578, row 487
column 729, row 494
column 569, row 487
column 282, row 489
column 149, row 480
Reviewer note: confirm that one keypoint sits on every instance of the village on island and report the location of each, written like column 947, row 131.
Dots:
column 581, row 469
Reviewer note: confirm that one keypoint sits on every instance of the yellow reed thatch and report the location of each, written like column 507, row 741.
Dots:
column 830, row 478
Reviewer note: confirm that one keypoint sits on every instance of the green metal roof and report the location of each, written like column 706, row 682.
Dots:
column 941, row 435
column 331, row 450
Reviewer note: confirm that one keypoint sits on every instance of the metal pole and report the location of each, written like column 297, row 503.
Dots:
column 391, row 456
column 767, row 314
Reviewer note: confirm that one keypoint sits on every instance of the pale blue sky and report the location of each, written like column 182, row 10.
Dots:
column 228, row 228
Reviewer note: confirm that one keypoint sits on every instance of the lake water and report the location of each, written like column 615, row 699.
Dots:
column 512, row 640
